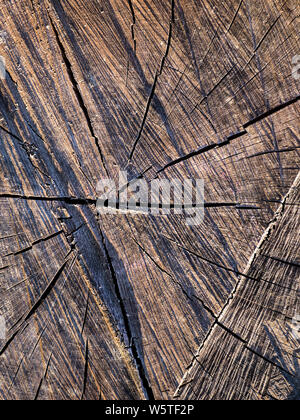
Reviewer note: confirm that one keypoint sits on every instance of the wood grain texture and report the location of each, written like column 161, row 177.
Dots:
column 137, row 307
column 256, row 344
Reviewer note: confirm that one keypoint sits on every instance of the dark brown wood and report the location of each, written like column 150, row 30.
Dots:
column 123, row 306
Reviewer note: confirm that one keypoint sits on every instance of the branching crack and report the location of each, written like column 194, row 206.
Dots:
column 222, row 267
column 145, row 117
column 46, row 238
column 167, row 49
column 77, row 91
column 201, row 150
column 11, row 339
column 132, row 36
column 86, row 367
column 292, row 263
column 152, row 93
column 28, row 148
column 229, row 331
column 134, row 351
column 86, row 312
column 176, row 282
column 67, row 200
column 133, row 23
column 173, row 11
column 226, row 142
column 271, row 112
column 278, row 217
column 267, row 33
column 44, row 295
column 268, row 152
column 235, row 15
column 43, row 378
column 269, row 361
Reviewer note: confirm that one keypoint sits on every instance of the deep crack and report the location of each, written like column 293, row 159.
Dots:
column 77, row 92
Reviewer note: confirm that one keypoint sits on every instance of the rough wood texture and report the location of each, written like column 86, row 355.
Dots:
column 123, row 307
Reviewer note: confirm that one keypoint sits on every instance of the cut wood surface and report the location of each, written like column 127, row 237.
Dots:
column 122, row 306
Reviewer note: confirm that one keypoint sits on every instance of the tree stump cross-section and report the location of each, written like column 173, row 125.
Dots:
column 124, row 306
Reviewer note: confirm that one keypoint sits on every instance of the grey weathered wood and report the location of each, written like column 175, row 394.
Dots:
column 252, row 351
column 122, row 306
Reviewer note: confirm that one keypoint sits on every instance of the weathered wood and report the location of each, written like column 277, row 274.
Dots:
column 257, row 345
column 133, row 307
